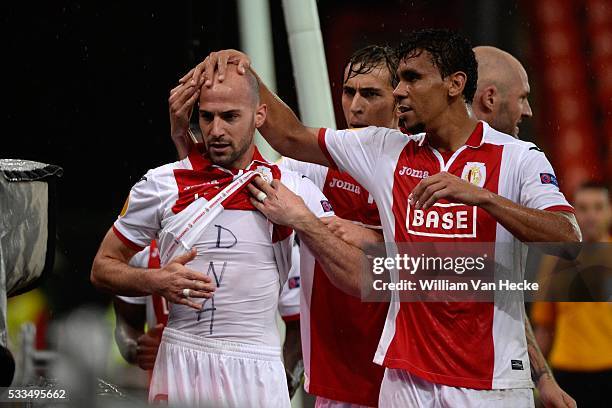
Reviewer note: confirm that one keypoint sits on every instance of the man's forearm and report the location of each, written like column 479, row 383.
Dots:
column 537, row 361
column 111, row 272
column 112, row 275
column 281, row 123
column 528, row 224
column 182, row 143
column 284, row 131
column 341, row 262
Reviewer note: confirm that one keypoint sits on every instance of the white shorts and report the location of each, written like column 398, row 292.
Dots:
column 192, row 371
column 327, row 403
column 402, row 389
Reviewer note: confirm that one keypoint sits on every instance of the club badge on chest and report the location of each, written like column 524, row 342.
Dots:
column 474, row 173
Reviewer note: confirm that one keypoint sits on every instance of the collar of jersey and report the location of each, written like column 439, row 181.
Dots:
column 475, row 140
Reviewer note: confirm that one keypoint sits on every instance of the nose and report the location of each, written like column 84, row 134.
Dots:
column 357, row 104
column 527, row 109
column 400, row 91
column 216, row 128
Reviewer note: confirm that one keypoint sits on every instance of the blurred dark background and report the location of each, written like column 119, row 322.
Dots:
column 86, row 87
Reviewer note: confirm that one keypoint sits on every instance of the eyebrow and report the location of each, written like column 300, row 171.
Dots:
column 221, row 113
column 364, row 89
column 405, row 73
column 369, row 89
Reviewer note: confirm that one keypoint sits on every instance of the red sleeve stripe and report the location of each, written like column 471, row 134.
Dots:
column 323, row 148
column 126, row 241
column 561, row 208
column 291, row 318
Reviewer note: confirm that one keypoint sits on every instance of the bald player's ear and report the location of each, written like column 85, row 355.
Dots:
column 260, row 115
column 456, row 83
column 488, row 98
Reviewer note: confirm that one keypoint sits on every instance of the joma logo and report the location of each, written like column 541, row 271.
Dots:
column 345, row 185
column 409, row 171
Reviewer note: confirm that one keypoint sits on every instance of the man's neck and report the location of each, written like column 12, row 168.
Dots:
column 452, row 128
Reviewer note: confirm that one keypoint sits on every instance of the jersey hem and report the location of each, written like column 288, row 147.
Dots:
column 473, row 383
column 484, row 384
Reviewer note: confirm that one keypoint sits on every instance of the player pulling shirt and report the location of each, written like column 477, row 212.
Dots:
column 232, row 342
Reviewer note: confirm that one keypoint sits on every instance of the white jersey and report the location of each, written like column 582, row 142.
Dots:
column 237, row 252
column 461, row 344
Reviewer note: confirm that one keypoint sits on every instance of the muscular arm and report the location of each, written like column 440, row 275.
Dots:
column 537, row 361
column 549, row 392
column 531, row 225
column 544, row 337
column 353, row 234
column 111, row 272
column 341, row 262
column 284, row 131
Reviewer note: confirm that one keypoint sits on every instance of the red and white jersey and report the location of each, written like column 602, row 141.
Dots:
column 241, row 250
column 461, row 344
column 340, row 333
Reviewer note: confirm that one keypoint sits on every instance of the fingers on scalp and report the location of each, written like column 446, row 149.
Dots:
column 187, row 75
column 222, row 62
column 175, row 89
column 183, row 95
column 188, row 96
column 195, row 96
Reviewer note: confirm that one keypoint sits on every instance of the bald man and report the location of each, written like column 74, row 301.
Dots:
column 221, row 350
column 501, row 99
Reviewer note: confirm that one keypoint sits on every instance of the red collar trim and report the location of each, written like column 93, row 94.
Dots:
column 477, row 137
column 475, row 140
